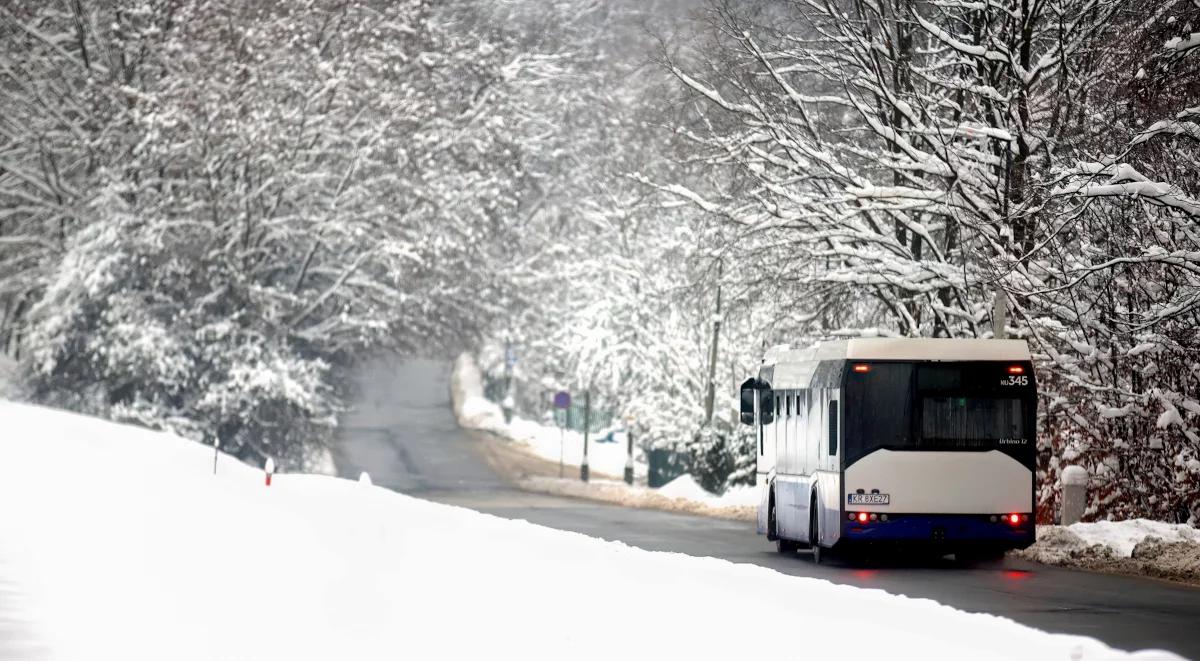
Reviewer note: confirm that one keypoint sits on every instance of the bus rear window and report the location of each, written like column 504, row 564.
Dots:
column 935, row 406
column 967, row 422
column 878, row 409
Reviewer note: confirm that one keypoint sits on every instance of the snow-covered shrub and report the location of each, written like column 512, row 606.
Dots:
column 137, row 325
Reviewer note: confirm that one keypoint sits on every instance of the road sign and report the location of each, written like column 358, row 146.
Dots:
column 562, row 400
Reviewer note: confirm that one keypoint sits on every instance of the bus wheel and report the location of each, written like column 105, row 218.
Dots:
column 772, row 535
column 814, row 533
column 786, row 546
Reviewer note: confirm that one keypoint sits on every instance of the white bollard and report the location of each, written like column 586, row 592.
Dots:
column 1074, row 494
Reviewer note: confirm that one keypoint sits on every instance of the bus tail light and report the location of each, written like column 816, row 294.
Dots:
column 1016, row 369
column 1014, row 519
column 862, row 517
column 862, row 368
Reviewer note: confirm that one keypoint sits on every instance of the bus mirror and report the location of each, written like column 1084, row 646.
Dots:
column 749, row 388
column 766, row 406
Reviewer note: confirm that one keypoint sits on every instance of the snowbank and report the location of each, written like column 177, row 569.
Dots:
column 686, row 487
column 127, row 546
column 548, row 442
column 619, row 493
column 1123, row 536
column 1137, row 546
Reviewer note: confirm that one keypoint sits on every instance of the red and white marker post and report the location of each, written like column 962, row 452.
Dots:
column 269, row 469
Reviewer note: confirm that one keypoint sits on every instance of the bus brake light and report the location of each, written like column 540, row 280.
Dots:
column 862, row 517
column 1014, row 519
column 862, row 368
column 1016, row 369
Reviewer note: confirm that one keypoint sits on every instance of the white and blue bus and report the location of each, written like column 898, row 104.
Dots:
column 925, row 443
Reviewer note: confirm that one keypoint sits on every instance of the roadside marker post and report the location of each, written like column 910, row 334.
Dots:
column 562, row 401
column 587, row 424
column 216, row 452
column 1074, row 481
column 269, row 469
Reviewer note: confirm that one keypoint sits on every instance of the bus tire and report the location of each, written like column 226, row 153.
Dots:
column 772, row 535
column 814, row 531
column 786, row 546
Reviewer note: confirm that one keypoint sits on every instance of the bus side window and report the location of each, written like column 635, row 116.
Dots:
column 833, row 427
column 787, row 405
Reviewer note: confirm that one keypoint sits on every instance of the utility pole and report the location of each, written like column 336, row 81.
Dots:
column 711, row 393
column 587, row 425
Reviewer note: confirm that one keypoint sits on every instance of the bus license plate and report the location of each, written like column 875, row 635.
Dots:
column 868, row 499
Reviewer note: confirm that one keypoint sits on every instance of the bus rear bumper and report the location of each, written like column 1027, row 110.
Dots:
column 944, row 530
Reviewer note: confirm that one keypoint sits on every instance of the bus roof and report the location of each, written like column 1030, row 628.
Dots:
column 927, row 348
column 902, row 348
column 797, row 368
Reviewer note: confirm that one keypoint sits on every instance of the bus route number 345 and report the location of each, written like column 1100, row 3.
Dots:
column 868, row 499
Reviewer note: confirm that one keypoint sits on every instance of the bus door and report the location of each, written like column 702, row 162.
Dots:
column 827, row 448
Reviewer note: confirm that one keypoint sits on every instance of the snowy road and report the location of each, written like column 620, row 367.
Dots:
column 402, row 432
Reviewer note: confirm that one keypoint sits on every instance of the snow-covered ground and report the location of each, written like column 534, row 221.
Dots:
column 1137, row 546
column 546, row 441
column 124, row 545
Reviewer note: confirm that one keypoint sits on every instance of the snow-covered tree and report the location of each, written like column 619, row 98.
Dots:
column 891, row 166
column 277, row 188
column 1113, row 297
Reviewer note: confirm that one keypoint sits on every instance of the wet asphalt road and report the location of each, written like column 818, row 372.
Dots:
column 403, row 432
